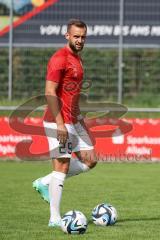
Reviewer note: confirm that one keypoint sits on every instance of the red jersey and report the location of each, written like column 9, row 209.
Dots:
column 66, row 69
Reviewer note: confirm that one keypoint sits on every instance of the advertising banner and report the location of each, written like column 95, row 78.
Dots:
column 44, row 21
column 142, row 143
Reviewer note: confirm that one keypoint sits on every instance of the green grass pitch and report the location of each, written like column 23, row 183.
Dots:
column 134, row 189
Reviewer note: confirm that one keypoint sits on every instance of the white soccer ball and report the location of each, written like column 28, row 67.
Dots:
column 104, row 214
column 74, row 222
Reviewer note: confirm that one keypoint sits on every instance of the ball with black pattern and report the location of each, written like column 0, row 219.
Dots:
column 104, row 214
column 74, row 222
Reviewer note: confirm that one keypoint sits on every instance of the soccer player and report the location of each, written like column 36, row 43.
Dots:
column 64, row 125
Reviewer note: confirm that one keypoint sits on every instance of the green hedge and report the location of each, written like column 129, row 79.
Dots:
column 141, row 73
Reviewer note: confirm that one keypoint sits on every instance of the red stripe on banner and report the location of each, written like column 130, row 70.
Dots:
column 29, row 15
column 27, row 139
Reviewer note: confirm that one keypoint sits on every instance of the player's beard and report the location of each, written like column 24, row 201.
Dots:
column 74, row 49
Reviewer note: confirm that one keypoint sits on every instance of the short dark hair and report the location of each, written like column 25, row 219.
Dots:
column 77, row 23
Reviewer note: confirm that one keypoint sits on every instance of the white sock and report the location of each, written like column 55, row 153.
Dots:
column 76, row 167
column 46, row 179
column 55, row 193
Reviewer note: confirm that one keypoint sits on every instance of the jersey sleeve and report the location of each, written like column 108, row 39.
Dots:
column 55, row 69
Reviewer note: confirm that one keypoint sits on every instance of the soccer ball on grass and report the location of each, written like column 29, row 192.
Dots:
column 104, row 214
column 74, row 222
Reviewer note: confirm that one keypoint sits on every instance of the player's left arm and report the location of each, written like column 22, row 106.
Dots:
column 82, row 122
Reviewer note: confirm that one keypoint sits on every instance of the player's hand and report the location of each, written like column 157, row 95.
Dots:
column 62, row 133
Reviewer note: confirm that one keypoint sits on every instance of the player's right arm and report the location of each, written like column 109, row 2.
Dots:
column 53, row 79
column 53, row 104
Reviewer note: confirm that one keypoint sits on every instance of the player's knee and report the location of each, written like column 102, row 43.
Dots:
column 91, row 164
column 61, row 165
column 65, row 168
column 89, row 159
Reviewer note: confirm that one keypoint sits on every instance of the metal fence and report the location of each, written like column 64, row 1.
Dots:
column 121, row 57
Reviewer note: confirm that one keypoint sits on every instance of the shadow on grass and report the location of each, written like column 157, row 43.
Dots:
column 125, row 220
column 139, row 219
